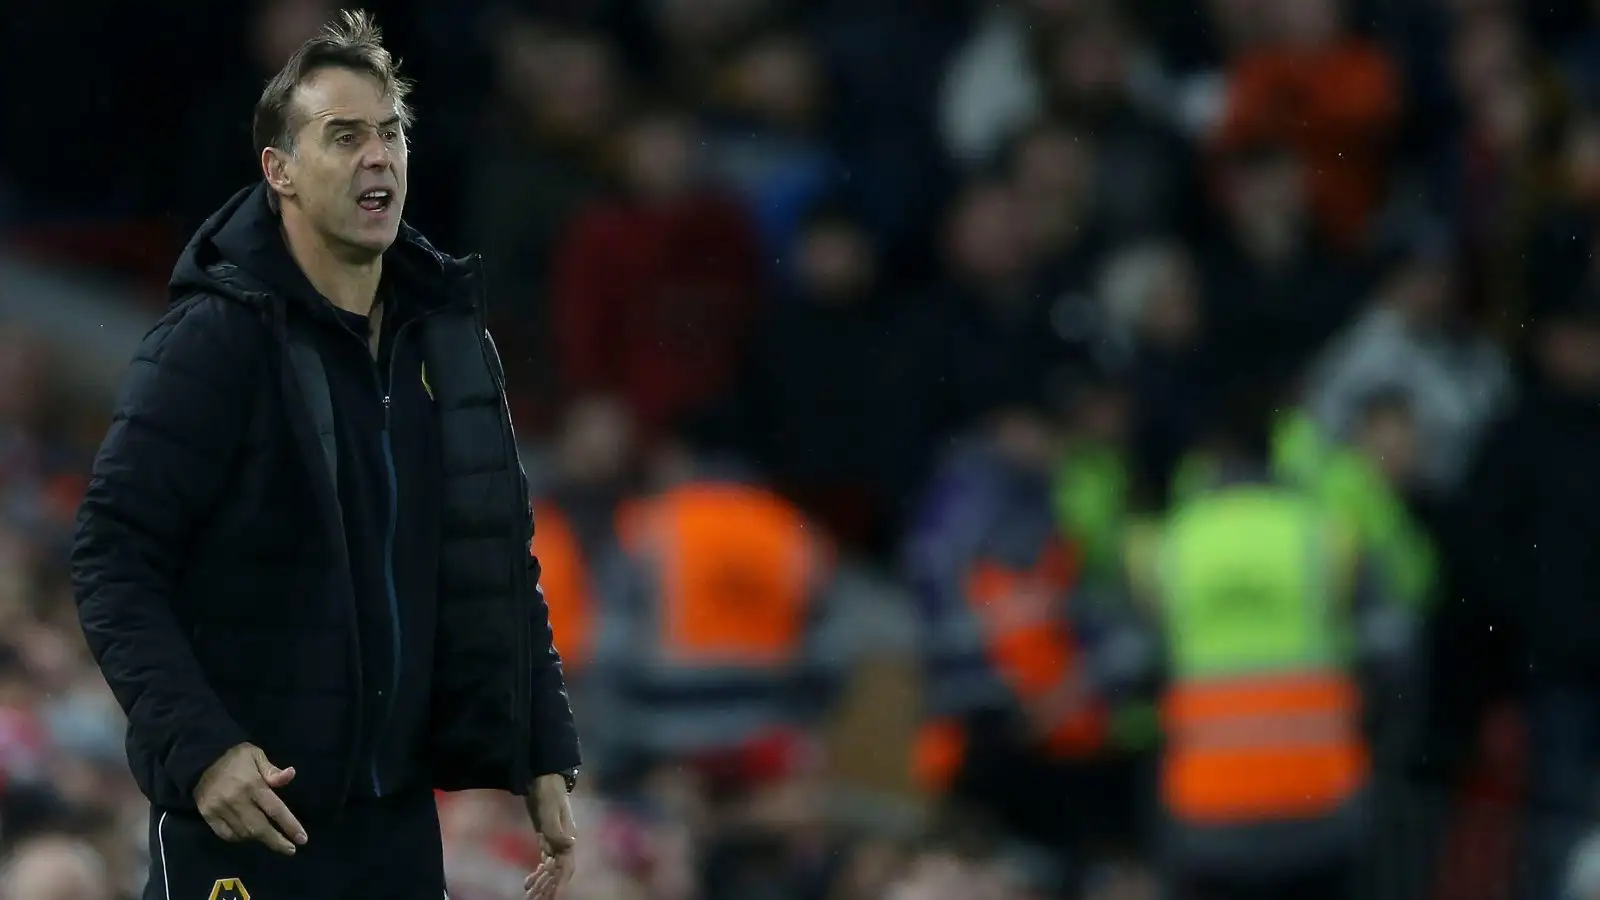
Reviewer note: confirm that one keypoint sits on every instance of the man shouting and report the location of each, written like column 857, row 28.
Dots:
column 302, row 563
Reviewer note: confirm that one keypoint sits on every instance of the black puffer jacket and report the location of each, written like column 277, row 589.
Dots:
column 211, row 571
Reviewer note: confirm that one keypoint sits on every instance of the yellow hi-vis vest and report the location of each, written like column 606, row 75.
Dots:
column 1263, row 721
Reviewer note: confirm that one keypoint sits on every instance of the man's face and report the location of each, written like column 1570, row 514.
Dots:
column 347, row 174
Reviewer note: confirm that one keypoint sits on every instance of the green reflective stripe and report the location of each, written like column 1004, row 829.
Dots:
column 1246, row 586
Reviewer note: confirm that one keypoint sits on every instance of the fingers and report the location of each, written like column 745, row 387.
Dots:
column 237, row 799
column 257, row 827
column 277, row 812
column 221, row 828
column 565, row 865
column 555, row 823
column 276, row 777
column 541, row 884
column 240, row 823
column 271, row 774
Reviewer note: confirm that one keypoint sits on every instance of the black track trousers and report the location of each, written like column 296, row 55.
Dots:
column 386, row 848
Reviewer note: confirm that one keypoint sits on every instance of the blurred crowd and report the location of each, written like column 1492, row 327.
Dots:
column 863, row 349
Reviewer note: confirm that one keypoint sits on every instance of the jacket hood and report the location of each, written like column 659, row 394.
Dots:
column 239, row 253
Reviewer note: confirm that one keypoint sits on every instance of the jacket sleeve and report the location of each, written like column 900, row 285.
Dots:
column 555, row 735
column 554, row 745
column 178, row 418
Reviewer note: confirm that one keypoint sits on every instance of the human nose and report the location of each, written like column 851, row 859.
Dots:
column 376, row 155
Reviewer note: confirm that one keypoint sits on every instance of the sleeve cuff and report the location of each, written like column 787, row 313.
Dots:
column 190, row 759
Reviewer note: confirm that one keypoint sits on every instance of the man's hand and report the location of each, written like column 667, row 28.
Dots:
column 551, row 813
column 237, row 798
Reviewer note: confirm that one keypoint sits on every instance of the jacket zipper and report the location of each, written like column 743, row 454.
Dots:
column 388, row 548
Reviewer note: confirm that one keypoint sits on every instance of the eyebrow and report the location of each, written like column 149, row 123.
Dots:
column 337, row 124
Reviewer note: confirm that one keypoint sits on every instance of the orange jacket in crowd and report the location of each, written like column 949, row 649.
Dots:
column 1336, row 106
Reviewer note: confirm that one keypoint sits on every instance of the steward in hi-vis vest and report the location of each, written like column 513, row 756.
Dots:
column 722, row 639
column 1266, row 762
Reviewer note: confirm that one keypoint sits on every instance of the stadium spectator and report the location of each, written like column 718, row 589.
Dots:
column 542, row 159
column 1331, row 96
column 655, row 291
column 54, row 868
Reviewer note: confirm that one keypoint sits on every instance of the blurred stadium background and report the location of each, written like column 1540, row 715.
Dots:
column 957, row 292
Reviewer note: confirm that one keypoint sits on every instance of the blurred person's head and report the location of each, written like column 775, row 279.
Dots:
column 1264, row 197
column 564, row 82
column 701, row 26
column 835, row 256
column 53, row 605
column 122, row 852
column 1386, row 433
column 281, row 26
column 987, row 243
column 55, row 868
column 52, row 656
column 659, row 154
column 1052, row 168
column 1487, row 49
column 330, row 130
column 872, row 865
column 82, row 783
column 595, row 444
column 1240, row 24
column 1150, row 291
column 1098, row 407
column 778, row 78
column 1421, row 288
column 1306, row 23
column 521, row 51
column 1024, row 436
column 1506, row 116
column 579, row 88
column 1566, row 346
column 1089, row 64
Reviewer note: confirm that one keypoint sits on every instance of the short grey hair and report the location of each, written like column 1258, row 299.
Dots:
column 353, row 42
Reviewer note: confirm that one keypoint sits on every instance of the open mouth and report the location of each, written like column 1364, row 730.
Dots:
column 376, row 200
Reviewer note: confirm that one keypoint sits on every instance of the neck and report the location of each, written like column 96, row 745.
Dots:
column 350, row 284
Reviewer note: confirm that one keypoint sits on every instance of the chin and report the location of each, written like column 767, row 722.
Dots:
column 375, row 242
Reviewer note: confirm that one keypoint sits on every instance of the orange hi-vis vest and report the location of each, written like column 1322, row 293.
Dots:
column 1263, row 721
column 1030, row 645
column 731, row 573
column 568, row 589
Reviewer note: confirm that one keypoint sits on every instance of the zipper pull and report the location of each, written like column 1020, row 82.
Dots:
column 385, row 401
